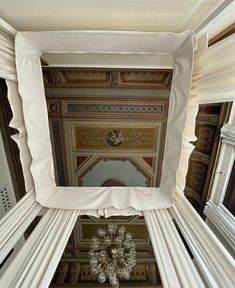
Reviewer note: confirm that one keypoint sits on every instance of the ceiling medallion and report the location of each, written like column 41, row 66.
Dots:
column 112, row 254
column 114, row 138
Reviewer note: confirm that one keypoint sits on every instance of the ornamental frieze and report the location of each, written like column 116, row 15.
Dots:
column 105, row 78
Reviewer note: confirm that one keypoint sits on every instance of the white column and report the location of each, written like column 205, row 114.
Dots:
column 16, row 221
column 223, row 221
column 37, row 260
column 175, row 265
column 215, row 263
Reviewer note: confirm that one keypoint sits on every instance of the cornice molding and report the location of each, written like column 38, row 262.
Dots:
column 105, row 78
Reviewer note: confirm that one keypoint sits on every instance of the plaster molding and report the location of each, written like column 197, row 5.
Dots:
column 16, row 221
column 223, row 221
column 42, row 251
column 228, row 134
column 174, row 263
column 4, row 26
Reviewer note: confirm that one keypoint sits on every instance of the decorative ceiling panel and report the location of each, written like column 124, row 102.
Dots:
column 104, row 131
column 144, row 79
column 113, row 138
column 121, row 108
column 100, row 142
column 76, row 78
column 95, row 78
column 128, row 171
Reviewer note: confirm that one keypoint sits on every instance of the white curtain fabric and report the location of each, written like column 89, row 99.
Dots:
column 109, row 212
column 174, row 263
column 187, row 147
column 223, row 221
column 29, row 46
column 8, row 72
column 214, row 73
column 21, row 138
column 16, row 221
column 216, row 265
column 7, row 57
column 37, row 260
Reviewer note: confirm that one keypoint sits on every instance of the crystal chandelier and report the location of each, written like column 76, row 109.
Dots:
column 112, row 254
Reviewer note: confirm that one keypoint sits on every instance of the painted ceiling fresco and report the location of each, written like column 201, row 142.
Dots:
column 108, row 137
column 104, row 136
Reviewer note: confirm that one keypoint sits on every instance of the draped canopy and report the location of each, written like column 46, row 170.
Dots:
column 36, row 262
column 30, row 45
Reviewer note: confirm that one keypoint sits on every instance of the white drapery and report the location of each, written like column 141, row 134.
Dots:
column 174, row 263
column 7, row 57
column 29, row 46
column 16, row 221
column 216, row 265
column 8, row 72
column 35, row 264
column 214, row 73
column 37, row 260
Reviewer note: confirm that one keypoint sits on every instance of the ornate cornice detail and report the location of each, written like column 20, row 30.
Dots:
column 123, row 108
column 105, row 78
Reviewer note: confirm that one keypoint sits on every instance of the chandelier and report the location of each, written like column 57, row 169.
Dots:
column 112, row 254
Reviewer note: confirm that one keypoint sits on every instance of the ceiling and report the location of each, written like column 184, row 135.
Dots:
column 74, row 269
column 136, row 15
column 88, row 110
column 111, row 130
column 85, row 107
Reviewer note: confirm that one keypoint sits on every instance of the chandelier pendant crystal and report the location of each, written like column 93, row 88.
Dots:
column 112, row 254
